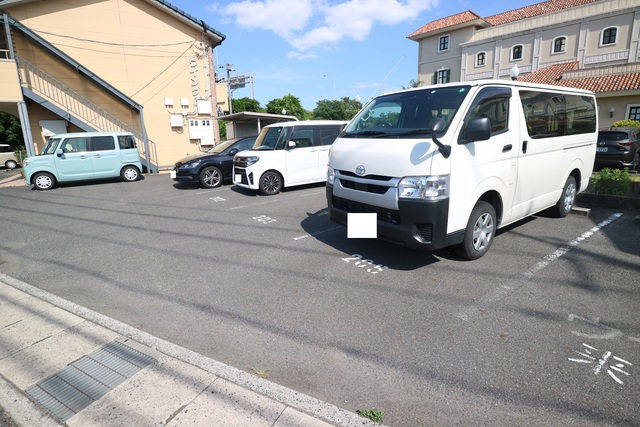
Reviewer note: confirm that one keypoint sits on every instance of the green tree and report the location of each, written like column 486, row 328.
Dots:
column 291, row 104
column 343, row 109
column 414, row 83
column 10, row 131
column 246, row 104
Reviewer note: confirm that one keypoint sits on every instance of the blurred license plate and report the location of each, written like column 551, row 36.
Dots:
column 173, row 174
column 602, row 149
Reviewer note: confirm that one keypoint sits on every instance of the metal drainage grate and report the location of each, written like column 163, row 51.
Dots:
column 84, row 381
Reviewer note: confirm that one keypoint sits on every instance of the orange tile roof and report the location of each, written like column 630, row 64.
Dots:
column 598, row 84
column 448, row 21
column 537, row 9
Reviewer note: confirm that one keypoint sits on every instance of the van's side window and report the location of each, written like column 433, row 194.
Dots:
column 493, row 103
column 550, row 114
column 126, row 141
column 74, row 145
column 102, row 143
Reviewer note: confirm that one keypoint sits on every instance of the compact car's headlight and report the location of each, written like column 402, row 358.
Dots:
column 424, row 187
column 189, row 165
column 252, row 159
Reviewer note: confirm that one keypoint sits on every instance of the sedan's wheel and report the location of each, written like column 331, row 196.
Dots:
column 130, row 174
column 479, row 233
column 270, row 183
column 567, row 198
column 10, row 164
column 44, row 181
column 211, row 177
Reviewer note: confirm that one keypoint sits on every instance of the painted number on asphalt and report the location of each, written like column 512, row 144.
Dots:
column 362, row 263
column 264, row 219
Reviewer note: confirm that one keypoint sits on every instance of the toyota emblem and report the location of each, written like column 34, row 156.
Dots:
column 361, row 170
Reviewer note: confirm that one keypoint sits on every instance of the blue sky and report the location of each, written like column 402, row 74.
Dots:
column 325, row 49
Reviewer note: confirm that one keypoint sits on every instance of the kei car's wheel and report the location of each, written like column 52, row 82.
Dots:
column 479, row 233
column 130, row 174
column 211, row 177
column 10, row 164
column 43, row 181
column 270, row 183
column 567, row 198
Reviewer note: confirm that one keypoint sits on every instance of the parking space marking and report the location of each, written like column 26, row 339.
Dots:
column 273, row 199
column 317, row 233
column 504, row 290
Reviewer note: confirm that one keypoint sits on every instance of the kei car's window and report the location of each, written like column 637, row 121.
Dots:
column 74, row 145
column 102, row 143
column 303, row 137
column 272, row 138
column 51, row 146
column 126, row 141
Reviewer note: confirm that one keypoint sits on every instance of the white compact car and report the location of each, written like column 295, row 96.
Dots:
column 287, row 154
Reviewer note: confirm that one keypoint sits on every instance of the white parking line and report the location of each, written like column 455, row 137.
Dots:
column 317, row 233
column 503, row 291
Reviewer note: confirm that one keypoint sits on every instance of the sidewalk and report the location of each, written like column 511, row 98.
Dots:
column 12, row 180
column 91, row 370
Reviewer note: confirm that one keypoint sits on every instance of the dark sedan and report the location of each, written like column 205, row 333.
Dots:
column 618, row 147
column 211, row 168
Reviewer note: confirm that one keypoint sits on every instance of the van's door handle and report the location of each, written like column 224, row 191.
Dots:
column 506, row 148
column 524, row 146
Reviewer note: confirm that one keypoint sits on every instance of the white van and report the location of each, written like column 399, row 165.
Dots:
column 287, row 154
column 449, row 164
column 84, row 156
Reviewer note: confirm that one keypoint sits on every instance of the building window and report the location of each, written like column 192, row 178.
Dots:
column 559, row 45
column 443, row 43
column 634, row 113
column 609, row 36
column 516, row 52
column 442, row 76
column 481, row 59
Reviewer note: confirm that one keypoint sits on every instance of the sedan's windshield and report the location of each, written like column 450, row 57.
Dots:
column 222, row 146
column 406, row 114
column 50, row 146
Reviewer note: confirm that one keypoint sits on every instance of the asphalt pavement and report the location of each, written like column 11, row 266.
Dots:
column 63, row 364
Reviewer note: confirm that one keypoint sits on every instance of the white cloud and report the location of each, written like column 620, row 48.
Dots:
column 332, row 22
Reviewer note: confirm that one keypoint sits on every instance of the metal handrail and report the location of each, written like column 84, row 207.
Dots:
column 77, row 105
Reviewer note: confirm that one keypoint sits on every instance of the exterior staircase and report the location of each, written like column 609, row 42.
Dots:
column 75, row 108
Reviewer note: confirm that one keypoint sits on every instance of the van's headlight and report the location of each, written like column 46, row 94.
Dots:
column 424, row 187
column 251, row 160
column 331, row 175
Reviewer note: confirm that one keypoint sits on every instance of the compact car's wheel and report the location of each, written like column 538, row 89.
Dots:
column 10, row 164
column 130, row 173
column 480, row 231
column 567, row 198
column 211, row 177
column 44, row 181
column 270, row 183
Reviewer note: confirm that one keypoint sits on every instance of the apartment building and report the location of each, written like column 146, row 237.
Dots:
column 590, row 44
column 142, row 66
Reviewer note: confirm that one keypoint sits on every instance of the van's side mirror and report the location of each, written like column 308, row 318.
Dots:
column 437, row 124
column 478, row 129
column 59, row 152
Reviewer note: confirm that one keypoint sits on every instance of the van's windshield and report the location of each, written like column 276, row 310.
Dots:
column 50, row 146
column 406, row 114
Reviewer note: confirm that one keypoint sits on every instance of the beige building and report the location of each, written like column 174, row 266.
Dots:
column 591, row 44
column 143, row 66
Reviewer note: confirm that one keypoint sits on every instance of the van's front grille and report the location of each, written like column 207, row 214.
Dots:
column 383, row 214
column 425, row 231
column 361, row 186
column 371, row 177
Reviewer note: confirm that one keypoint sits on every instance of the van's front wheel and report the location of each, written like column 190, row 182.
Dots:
column 43, row 181
column 567, row 199
column 479, row 233
column 130, row 174
column 270, row 183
